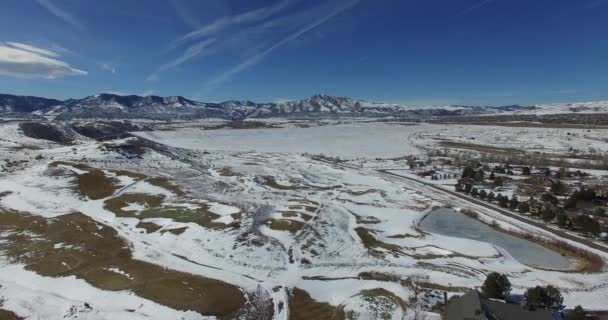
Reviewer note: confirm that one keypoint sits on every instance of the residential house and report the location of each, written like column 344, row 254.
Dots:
column 474, row 306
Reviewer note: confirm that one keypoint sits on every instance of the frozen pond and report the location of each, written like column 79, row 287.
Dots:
column 451, row 223
column 348, row 141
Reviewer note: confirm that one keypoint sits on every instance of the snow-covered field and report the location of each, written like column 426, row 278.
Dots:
column 278, row 221
column 382, row 140
column 354, row 140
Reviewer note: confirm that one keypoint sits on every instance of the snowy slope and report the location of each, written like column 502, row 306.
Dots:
column 563, row 108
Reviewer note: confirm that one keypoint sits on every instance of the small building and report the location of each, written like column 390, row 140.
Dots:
column 473, row 306
column 426, row 173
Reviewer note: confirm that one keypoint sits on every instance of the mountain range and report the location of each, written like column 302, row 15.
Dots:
column 112, row 106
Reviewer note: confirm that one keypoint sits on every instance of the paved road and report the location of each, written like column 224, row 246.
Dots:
column 507, row 213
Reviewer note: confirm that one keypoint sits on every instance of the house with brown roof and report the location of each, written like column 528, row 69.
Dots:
column 474, row 306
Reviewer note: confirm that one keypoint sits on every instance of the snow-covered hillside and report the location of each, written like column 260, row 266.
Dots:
column 563, row 108
column 111, row 106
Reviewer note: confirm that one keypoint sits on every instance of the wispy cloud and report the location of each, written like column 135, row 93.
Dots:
column 108, row 67
column 27, row 61
column 256, row 58
column 33, row 49
column 190, row 53
column 62, row 14
column 185, row 14
column 253, row 34
column 239, row 19
column 474, row 7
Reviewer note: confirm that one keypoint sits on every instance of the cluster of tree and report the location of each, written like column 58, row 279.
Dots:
column 583, row 194
column 587, row 224
column 549, row 211
column 502, row 200
column 498, row 286
column 469, row 173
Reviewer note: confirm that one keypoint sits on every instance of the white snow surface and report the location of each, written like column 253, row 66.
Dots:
column 341, row 198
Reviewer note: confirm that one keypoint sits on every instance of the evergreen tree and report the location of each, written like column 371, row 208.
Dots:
column 548, row 214
column 503, row 201
column 547, row 197
column 483, row 194
column 458, row 187
column 468, row 172
column 578, row 313
column 496, row 286
column 492, row 176
column 547, row 297
column 562, row 219
column 587, row 224
column 491, row 196
column 523, row 207
column 513, row 203
column 467, row 188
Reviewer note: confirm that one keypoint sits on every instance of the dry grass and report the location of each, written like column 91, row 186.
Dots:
column 134, row 175
column 25, row 147
column 9, row 315
column 272, row 183
column 116, row 204
column 166, row 184
column 479, row 147
column 379, row 292
column 176, row 231
column 303, row 307
column 379, row 276
column 292, row 226
column 150, row 227
column 155, row 209
column 90, row 249
column 227, row 172
column 295, row 214
column 94, row 184
column 375, row 246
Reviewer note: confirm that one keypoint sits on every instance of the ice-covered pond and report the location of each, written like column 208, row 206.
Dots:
column 451, row 223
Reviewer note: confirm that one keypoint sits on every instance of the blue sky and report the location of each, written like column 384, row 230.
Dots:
column 478, row 52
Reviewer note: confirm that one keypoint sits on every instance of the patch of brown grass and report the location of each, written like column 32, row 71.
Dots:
column 375, row 246
column 480, row 147
column 292, row 226
column 89, row 249
column 227, row 172
column 150, row 227
column 303, row 307
column 295, row 214
column 272, row 183
column 9, row 315
column 93, row 184
column 175, row 231
column 165, row 183
column 116, row 204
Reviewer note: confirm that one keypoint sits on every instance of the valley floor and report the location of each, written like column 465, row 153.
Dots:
column 227, row 223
